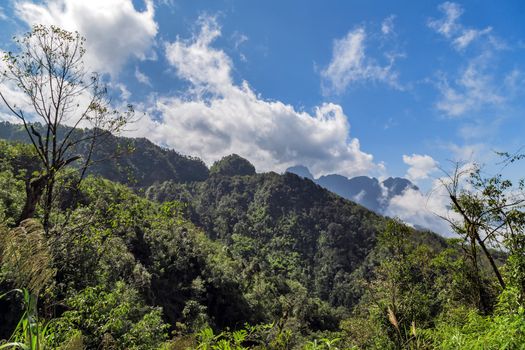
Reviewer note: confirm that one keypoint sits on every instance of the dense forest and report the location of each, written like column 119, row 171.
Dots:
column 245, row 259
column 115, row 243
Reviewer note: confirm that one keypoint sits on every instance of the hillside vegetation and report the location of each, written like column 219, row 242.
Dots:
column 237, row 261
column 126, row 160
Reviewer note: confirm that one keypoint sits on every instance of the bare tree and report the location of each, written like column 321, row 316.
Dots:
column 61, row 96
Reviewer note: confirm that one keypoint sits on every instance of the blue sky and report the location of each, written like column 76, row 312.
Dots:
column 381, row 88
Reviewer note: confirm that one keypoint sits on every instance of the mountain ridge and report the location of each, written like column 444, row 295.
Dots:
column 136, row 158
column 367, row 191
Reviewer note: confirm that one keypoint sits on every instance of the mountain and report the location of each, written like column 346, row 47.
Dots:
column 369, row 192
column 363, row 190
column 139, row 162
column 268, row 261
column 301, row 171
column 282, row 224
column 398, row 185
column 232, row 165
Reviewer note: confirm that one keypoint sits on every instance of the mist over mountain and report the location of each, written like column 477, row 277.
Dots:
column 369, row 192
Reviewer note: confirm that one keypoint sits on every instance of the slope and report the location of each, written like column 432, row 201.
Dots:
column 139, row 163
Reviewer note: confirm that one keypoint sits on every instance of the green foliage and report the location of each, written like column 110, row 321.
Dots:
column 470, row 330
column 284, row 228
column 118, row 314
column 25, row 257
column 30, row 333
column 18, row 157
column 17, row 163
column 201, row 262
column 410, row 285
column 11, row 197
column 25, row 262
column 263, row 336
column 232, row 165
column 120, row 159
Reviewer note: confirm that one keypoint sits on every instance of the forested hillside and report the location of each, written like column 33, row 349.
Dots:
column 195, row 263
column 283, row 225
column 116, row 243
column 126, row 160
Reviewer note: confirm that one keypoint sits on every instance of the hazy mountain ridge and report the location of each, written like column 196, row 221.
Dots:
column 369, row 192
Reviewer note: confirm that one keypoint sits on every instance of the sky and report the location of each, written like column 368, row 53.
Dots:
column 377, row 88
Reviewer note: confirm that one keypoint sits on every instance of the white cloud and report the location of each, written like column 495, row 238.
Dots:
column 514, row 83
column 469, row 152
column 350, row 64
column 475, row 89
column 468, row 36
column 480, row 129
column 432, row 210
column 450, row 27
column 477, row 86
column 447, row 26
column 420, row 166
column 195, row 61
column 2, row 14
column 219, row 117
column 20, row 101
column 114, row 29
column 239, row 39
column 387, row 26
column 141, row 77
column 422, row 210
column 122, row 90
column 12, row 94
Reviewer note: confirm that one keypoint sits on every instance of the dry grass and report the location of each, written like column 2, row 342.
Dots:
column 25, row 257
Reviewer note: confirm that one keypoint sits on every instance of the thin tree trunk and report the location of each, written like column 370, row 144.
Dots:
column 48, row 201
column 477, row 275
column 34, row 190
column 491, row 261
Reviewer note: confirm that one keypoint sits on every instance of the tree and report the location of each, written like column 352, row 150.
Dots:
column 61, row 96
column 491, row 216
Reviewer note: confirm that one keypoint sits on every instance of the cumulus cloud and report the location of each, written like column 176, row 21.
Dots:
column 350, row 64
column 450, row 27
column 218, row 116
column 423, row 210
column 114, row 29
column 431, row 210
column 420, row 166
column 195, row 61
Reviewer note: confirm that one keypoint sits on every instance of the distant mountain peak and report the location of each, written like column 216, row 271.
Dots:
column 300, row 170
column 397, row 185
column 367, row 191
